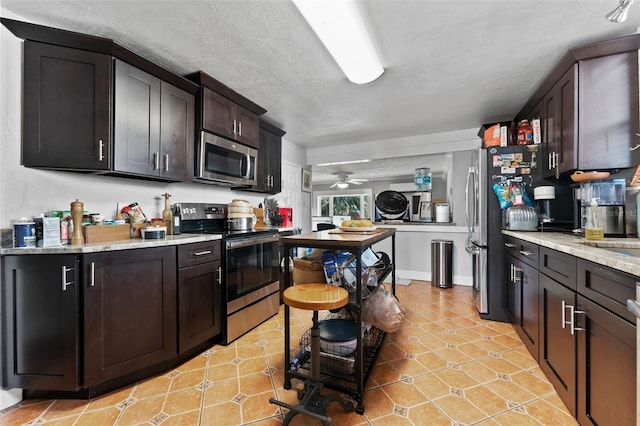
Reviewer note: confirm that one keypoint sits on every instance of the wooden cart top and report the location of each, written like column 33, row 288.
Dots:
column 336, row 238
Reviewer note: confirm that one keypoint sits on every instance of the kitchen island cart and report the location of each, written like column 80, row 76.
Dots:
column 344, row 374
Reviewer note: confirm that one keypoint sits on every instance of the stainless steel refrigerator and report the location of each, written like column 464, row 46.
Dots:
column 484, row 219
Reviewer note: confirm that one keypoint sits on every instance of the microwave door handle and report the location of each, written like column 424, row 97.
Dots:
column 248, row 166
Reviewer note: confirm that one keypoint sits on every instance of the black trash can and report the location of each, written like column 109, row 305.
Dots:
column 442, row 263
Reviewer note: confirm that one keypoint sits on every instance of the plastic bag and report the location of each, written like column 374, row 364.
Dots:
column 383, row 310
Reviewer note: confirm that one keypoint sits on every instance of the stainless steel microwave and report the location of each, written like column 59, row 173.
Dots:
column 223, row 161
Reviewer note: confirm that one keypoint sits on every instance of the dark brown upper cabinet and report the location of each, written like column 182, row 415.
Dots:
column 223, row 111
column 589, row 109
column 269, row 164
column 90, row 105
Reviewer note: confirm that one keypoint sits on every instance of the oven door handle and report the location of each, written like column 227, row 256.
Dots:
column 253, row 241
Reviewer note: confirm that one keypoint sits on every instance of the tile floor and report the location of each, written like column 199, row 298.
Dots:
column 444, row 366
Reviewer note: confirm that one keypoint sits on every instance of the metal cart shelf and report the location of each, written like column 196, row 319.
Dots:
column 345, row 374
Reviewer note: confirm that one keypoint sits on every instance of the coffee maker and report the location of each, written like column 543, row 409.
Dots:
column 544, row 197
column 610, row 196
column 421, row 207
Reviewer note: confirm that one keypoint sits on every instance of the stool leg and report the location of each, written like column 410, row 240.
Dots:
column 315, row 349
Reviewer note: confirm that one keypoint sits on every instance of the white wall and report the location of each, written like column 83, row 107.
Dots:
column 27, row 192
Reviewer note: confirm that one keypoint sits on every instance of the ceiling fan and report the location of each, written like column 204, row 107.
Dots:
column 344, row 180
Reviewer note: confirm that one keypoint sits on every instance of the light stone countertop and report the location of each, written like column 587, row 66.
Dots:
column 134, row 243
column 594, row 251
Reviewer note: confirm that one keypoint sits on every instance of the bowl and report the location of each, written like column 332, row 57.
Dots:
column 338, row 337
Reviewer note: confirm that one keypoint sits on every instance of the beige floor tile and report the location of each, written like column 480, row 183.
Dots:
column 377, row 404
column 225, row 414
column 489, row 402
column 548, row 414
column 516, row 417
column 183, row 419
column 183, row 401
column 532, row 383
column 510, row 391
column 220, row 392
column 432, row 386
column 459, row 409
column 431, row 361
column 428, row 414
column 404, row 394
column 64, row 408
column 456, row 378
column 142, row 411
column 151, row 387
column 187, row 380
column 18, row 414
column 255, row 383
column 108, row 416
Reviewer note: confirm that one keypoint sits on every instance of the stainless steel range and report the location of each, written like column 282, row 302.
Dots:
column 250, row 264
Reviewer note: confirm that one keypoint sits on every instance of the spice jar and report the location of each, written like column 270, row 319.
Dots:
column 525, row 133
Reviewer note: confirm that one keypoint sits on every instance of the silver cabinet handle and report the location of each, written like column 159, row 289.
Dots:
column 202, row 253
column 156, row 160
column 516, row 270
column 239, row 128
column 65, row 283
column 166, row 162
column 100, row 150
column 219, row 275
column 509, row 245
column 573, row 324
column 234, row 127
column 633, row 307
column 526, row 253
column 550, row 163
column 93, row 275
column 572, row 314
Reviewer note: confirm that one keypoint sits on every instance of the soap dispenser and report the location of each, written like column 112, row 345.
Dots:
column 594, row 228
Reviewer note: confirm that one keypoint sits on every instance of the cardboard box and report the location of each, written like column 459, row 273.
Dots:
column 101, row 233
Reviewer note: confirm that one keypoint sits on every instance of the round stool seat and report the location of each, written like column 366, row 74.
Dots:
column 315, row 297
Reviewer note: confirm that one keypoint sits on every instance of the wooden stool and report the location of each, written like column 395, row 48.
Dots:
column 314, row 297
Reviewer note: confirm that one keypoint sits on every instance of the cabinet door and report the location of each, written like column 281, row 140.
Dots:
column 217, row 113
column 40, row 322
column 560, row 105
column 199, row 304
column 137, row 121
column 513, row 290
column 176, row 133
column 275, row 164
column 567, row 131
column 606, row 367
column 557, row 345
column 528, row 326
column 129, row 311
column 609, row 112
column 247, row 127
column 67, row 108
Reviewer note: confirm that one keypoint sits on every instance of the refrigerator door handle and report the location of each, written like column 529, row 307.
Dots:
column 470, row 202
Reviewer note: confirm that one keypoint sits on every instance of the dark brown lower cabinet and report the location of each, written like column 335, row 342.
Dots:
column 606, row 367
column 130, row 312
column 199, row 293
column 557, row 343
column 40, row 299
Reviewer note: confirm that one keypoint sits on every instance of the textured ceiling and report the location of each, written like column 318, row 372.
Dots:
column 449, row 64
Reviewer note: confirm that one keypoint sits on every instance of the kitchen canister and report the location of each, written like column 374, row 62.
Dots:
column 443, row 213
column 24, row 233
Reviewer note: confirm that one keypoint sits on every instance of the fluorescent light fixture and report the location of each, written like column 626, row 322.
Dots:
column 340, row 27
column 342, row 162
column 342, row 185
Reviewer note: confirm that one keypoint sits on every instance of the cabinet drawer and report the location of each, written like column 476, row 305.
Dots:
column 559, row 266
column 523, row 250
column 198, row 253
column 607, row 287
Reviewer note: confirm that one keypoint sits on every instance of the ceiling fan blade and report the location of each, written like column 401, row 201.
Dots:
column 334, row 185
column 355, row 182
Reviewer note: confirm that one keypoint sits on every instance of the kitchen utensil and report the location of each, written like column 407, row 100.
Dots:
column 240, row 223
column 580, row 176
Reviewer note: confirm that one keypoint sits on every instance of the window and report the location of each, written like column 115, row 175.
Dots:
column 355, row 203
